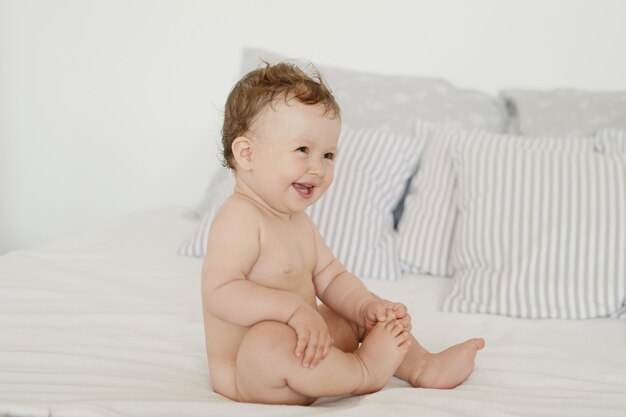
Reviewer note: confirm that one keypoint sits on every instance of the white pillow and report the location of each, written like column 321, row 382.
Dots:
column 427, row 223
column 355, row 215
column 540, row 234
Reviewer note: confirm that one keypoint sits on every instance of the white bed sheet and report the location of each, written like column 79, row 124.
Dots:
column 109, row 323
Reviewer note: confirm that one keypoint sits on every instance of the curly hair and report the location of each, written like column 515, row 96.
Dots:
column 265, row 86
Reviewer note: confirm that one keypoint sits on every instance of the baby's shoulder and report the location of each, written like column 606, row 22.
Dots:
column 238, row 209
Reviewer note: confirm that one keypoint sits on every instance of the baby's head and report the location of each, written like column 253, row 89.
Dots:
column 266, row 86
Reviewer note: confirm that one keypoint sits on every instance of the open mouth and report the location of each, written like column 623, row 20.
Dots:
column 304, row 190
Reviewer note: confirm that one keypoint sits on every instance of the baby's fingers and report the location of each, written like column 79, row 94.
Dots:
column 302, row 342
column 327, row 347
column 381, row 313
column 323, row 349
column 311, row 352
column 319, row 355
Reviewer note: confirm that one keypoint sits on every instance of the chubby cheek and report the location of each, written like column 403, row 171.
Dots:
column 328, row 179
column 329, row 176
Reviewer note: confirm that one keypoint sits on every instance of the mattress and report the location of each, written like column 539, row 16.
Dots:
column 109, row 323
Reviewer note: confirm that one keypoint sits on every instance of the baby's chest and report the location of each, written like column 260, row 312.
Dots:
column 286, row 260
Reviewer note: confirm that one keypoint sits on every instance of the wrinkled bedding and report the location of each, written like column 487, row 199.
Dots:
column 109, row 323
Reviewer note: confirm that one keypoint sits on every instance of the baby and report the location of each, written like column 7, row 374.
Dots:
column 268, row 340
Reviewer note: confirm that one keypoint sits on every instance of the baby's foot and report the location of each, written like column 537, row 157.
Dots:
column 380, row 355
column 449, row 368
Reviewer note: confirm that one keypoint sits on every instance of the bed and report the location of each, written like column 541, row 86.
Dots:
column 109, row 322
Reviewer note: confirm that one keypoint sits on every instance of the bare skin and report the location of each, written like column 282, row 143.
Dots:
column 281, row 379
column 267, row 264
column 420, row 368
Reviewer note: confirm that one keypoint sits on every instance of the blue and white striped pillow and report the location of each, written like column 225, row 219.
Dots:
column 539, row 233
column 355, row 216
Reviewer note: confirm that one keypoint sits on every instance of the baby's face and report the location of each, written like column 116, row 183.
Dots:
column 293, row 159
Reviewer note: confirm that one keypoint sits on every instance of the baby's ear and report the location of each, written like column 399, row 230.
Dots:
column 242, row 152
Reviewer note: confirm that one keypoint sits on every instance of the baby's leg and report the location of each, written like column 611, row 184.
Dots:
column 269, row 372
column 420, row 368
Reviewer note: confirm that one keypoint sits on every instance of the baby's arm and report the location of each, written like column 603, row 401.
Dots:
column 233, row 249
column 346, row 294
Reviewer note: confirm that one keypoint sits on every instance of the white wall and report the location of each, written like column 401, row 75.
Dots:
column 107, row 107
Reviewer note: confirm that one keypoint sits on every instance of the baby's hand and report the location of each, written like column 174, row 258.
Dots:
column 313, row 337
column 381, row 310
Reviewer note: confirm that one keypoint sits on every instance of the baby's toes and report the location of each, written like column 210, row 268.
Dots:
column 404, row 342
column 397, row 329
column 403, row 337
column 405, row 347
column 479, row 343
column 472, row 346
column 390, row 325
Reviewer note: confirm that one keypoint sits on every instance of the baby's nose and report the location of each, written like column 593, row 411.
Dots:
column 317, row 168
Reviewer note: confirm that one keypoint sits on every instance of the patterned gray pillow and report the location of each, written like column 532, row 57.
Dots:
column 564, row 112
column 394, row 102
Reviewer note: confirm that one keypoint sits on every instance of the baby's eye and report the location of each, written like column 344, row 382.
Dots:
column 329, row 155
column 303, row 149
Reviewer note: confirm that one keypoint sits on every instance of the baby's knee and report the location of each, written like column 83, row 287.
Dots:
column 265, row 359
column 269, row 339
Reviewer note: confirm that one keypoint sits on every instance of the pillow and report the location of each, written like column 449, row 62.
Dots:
column 355, row 215
column 220, row 188
column 393, row 102
column 427, row 224
column 566, row 113
column 540, row 234
column 611, row 140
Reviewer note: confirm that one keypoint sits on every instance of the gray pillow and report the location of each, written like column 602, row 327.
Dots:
column 394, row 102
column 564, row 112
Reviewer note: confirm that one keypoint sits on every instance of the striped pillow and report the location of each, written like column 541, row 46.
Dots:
column 611, row 140
column 427, row 224
column 355, row 215
column 221, row 187
column 539, row 234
